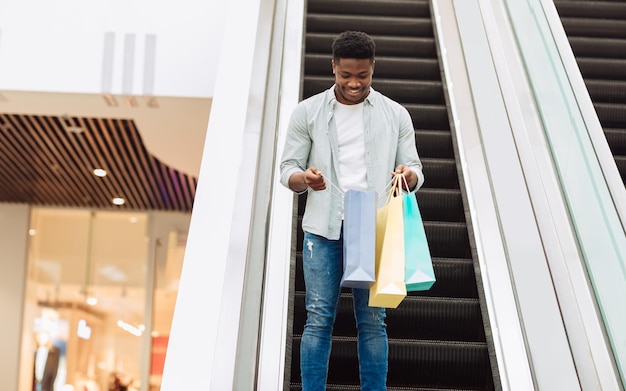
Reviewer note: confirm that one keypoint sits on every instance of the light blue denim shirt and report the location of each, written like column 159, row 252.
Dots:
column 311, row 141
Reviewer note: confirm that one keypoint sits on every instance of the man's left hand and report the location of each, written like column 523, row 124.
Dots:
column 409, row 176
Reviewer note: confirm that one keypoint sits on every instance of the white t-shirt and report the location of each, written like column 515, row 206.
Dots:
column 41, row 357
column 351, row 143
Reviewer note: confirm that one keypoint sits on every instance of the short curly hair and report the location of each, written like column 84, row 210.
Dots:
column 353, row 44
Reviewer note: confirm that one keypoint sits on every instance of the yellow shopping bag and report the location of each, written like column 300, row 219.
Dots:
column 389, row 289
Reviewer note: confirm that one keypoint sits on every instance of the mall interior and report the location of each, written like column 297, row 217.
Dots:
column 146, row 243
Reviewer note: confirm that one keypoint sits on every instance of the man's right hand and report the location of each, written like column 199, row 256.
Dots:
column 314, row 179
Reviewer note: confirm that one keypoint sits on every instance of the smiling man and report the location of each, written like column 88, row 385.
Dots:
column 347, row 137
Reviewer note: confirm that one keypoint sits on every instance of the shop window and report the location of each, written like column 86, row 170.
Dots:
column 86, row 300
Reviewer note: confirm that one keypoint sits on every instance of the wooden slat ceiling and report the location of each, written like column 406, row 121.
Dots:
column 49, row 161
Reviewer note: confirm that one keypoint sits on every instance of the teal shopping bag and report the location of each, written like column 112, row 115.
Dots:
column 418, row 266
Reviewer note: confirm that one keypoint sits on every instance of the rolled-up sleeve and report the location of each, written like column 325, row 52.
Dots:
column 407, row 151
column 297, row 146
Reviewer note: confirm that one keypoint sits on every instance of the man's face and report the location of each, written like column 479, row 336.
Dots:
column 353, row 78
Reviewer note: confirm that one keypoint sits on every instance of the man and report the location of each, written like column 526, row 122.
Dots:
column 347, row 137
column 47, row 358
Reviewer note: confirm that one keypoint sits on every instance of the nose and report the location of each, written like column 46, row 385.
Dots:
column 354, row 82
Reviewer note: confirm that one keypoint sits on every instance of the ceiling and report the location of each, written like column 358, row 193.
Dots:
column 50, row 145
column 151, row 149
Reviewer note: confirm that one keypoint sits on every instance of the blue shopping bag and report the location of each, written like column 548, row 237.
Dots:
column 418, row 266
column 359, row 238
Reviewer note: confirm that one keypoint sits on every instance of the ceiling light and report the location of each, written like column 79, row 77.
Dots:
column 136, row 331
column 83, row 330
column 113, row 273
column 91, row 301
column 100, row 172
column 118, row 201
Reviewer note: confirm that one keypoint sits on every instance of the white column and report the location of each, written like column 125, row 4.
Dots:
column 202, row 348
column 14, row 222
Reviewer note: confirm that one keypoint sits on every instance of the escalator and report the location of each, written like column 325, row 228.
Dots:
column 438, row 338
column 596, row 31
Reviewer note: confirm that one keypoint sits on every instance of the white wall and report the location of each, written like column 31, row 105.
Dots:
column 59, row 46
column 14, row 223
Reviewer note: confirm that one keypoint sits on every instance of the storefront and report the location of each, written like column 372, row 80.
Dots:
column 100, row 292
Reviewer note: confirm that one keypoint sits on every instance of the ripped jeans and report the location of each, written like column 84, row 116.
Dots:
column 323, row 269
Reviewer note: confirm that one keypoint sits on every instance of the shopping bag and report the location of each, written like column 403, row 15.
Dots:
column 418, row 269
column 359, row 239
column 389, row 289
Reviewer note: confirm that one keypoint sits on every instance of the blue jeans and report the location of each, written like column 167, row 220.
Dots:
column 323, row 269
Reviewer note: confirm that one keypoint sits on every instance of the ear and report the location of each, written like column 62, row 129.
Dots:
column 332, row 64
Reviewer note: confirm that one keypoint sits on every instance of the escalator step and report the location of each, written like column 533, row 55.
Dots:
column 429, row 117
column 407, row 68
column 411, row 91
column 434, row 144
column 611, row 115
column 604, row 28
column 440, row 173
column 602, row 68
column 455, row 279
column 435, row 204
column 400, row 26
column 598, row 47
column 447, row 239
column 314, row 84
column 347, row 387
column 402, row 91
column 591, row 9
column 421, row 47
column 386, row 66
column 440, row 205
column 441, row 364
column 607, row 91
column 444, row 238
column 617, row 140
column 424, row 115
column 437, row 318
column 366, row 7
column 428, row 318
